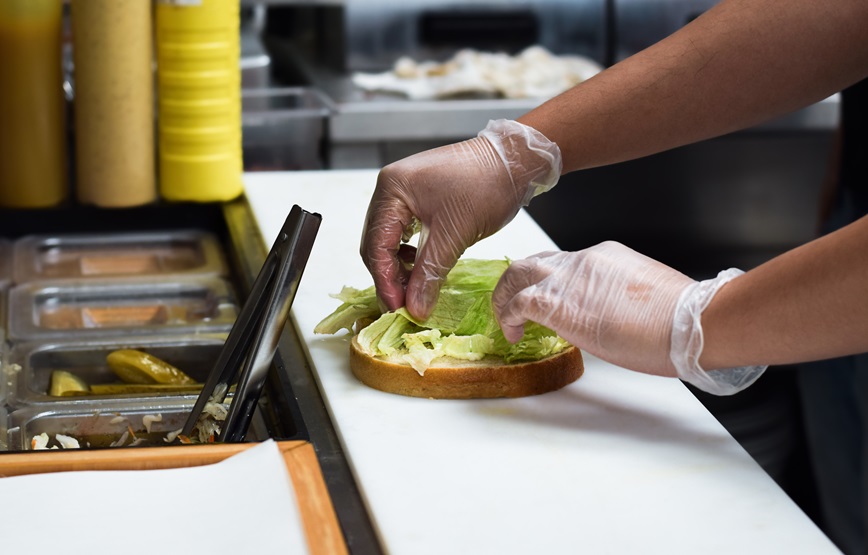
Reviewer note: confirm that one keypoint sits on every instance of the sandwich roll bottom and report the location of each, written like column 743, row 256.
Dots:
column 449, row 378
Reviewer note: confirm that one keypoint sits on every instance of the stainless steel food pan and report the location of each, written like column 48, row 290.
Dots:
column 117, row 255
column 193, row 355
column 88, row 309
column 96, row 426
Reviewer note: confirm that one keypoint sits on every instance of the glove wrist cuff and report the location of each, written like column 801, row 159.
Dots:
column 533, row 162
column 687, row 341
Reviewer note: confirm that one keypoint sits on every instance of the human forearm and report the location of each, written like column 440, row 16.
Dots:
column 807, row 304
column 742, row 62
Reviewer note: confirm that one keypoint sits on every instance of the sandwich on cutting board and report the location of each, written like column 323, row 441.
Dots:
column 459, row 352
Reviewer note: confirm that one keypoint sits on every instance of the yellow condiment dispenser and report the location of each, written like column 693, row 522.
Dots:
column 33, row 163
column 199, row 99
column 114, row 102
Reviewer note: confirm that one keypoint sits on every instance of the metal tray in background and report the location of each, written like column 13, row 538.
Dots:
column 284, row 128
column 97, row 426
column 193, row 355
column 78, row 256
column 73, row 311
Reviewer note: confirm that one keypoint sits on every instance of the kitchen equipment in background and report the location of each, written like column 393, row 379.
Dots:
column 255, row 61
column 33, row 159
column 199, row 100
column 284, row 128
column 378, row 32
column 114, row 102
column 323, row 45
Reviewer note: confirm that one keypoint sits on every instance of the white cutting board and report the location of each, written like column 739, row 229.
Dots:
column 618, row 462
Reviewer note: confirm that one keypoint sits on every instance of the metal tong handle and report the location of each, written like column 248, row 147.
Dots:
column 254, row 336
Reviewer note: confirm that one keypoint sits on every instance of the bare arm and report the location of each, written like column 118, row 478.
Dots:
column 740, row 63
column 807, row 304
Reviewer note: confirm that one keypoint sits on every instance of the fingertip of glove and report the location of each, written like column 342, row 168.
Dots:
column 513, row 334
column 421, row 298
column 390, row 298
column 420, row 312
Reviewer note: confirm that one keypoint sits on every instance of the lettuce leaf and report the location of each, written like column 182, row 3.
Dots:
column 357, row 304
column 462, row 324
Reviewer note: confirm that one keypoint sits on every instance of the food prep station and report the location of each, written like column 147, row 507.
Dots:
column 576, row 468
column 72, row 297
column 169, row 279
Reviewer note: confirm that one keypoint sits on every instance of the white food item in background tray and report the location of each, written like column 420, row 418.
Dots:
column 149, row 419
column 39, row 442
column 67, row 442
column 534, row 73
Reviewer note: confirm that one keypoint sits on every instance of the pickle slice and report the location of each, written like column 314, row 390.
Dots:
column 65, row 383
column 138, row 367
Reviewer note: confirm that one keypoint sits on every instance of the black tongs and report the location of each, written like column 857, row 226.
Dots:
column 252, row 341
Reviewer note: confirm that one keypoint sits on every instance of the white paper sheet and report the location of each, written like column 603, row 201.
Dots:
column 244, row 504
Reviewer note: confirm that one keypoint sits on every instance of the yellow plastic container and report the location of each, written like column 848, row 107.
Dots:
column 33, row 157
column 199, row 100
column 203, row 113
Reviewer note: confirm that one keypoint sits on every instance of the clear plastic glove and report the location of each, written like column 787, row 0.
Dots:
column 620, row 306
column 459, row 193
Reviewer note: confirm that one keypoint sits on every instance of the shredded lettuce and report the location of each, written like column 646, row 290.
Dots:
column 462, row 324
column 357, row 304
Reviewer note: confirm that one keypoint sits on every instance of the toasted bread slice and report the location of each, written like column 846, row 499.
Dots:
column 449, row 378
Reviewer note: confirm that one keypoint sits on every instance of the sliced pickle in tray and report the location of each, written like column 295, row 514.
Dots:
column 99, row 371
column 137, row 367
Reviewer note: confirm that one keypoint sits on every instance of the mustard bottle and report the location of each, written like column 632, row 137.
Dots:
column 33, row 163
column 199, row 99
column 114, row 102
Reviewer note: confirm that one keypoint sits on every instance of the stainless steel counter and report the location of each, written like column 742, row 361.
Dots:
column 364, row 116
column 368, row 130
column 359, row 130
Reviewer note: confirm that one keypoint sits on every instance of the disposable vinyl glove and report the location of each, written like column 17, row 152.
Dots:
column 620, row 306
column 459, row 193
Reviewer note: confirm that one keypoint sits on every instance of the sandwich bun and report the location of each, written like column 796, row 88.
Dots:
column 450, row 378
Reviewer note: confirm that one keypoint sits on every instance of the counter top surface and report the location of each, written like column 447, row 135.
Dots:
column 618, row 462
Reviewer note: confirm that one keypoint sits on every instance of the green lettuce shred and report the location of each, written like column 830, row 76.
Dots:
column 357, row 304
column 462, row 324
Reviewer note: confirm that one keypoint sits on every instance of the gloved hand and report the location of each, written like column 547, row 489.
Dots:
column 459, row 193
column 620, row 306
